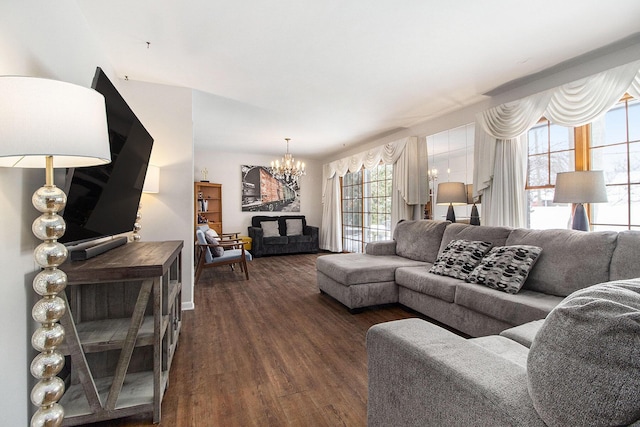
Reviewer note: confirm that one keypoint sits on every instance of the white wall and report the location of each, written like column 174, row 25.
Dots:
column 166, row 112
column 224, row 168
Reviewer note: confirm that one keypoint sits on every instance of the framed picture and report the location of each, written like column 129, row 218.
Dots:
column 261, row 191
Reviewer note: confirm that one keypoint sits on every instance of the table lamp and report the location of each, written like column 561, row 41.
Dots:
column 40, row 120
column 451, row 193
column 580, row 187
column 475, row 216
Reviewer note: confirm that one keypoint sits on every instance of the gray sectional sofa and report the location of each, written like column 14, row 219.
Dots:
column 396, row 271
column 563, row 351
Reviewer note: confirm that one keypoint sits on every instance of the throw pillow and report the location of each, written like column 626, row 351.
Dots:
column 459, row 258
column 583, row 365
column 211, row 236
column 294, row 227
column 269, row 228
column 505, row 268
column 216, row 249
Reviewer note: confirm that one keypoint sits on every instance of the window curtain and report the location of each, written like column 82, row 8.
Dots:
column 390, row 153
column 496, row 169
column 410, row 183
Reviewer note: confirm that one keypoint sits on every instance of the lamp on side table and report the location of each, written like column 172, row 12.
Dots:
column 580, row 187
column 41, row 119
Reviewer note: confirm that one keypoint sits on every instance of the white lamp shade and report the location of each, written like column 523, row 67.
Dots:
column 152, row 180
column 454, row 193
column 580, row 187
column 41, row 117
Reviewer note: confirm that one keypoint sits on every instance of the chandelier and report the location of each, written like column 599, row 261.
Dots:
column 287, row 169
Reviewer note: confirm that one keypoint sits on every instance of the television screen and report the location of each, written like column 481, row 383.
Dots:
column 103, row 200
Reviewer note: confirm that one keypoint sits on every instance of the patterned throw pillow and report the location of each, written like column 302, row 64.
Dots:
column 294, row 227
column 505, row 268
column 459, row 258
column 269, row 228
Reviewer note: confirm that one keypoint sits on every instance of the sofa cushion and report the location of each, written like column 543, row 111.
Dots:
column 514, row 309
column 497, row 236
column 353, row 269
column 624, row 262
column 270, row 228
column 293, row 227
column 419, row 240
column 584, row 363
column 523, row 334
column 459, row 258
column 276, row 240
column 504, row 348
column 505, row 268
column 420, row 280
column 302, row 238
column 570, row 259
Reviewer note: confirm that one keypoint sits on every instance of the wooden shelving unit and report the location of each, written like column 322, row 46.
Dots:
column 122, row 326
column 208, row 205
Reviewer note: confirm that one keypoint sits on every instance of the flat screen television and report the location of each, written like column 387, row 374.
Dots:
column 103, row 200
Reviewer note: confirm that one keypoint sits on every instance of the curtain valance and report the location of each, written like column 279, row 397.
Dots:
column 572, row 104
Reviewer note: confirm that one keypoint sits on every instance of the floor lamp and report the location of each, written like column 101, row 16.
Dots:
column 580, row 187
column 41, row 120
column 451, row 193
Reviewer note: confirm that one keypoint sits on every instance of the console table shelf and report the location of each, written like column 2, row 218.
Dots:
column 122, row 326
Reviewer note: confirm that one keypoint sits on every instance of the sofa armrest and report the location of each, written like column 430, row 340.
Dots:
column 383, row 247
column 312, row 231
column 423, row 375
column 257, row 246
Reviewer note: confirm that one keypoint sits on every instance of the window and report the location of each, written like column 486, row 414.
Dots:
column 366, row 207
column 610, row 144
column 551, row 150
column 615, row 149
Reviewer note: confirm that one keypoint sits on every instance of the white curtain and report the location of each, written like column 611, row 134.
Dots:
column 573, row 104
column 331, row 216
column 410, row 183
column 404, row 191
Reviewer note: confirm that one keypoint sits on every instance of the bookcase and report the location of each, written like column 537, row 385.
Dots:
column 208, row 205
column 122, row 326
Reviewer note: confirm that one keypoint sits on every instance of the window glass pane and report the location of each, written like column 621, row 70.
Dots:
column 561, row 138
column 616, row 210
column 634, row 162
column 635, row 205
column 538, row 138
column 634, row 120
column 564, row 161
column 538, row 171
column 613, row 161
column 543, row 213
column 615, row 125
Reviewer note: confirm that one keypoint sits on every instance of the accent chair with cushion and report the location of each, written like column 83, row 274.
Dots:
column 212, row 251
column 278, row 235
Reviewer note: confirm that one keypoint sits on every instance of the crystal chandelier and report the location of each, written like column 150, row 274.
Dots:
column 287, row 169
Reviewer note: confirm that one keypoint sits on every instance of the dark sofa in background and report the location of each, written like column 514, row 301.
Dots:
column 284, row 242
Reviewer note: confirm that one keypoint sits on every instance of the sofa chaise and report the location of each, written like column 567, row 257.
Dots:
column 397, row 271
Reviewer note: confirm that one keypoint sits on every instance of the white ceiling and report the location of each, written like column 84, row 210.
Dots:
column 333, row 73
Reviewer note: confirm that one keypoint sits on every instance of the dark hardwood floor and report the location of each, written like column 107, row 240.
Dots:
column 270, row 351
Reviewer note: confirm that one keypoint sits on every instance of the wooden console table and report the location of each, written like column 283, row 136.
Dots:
column 122, row 326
